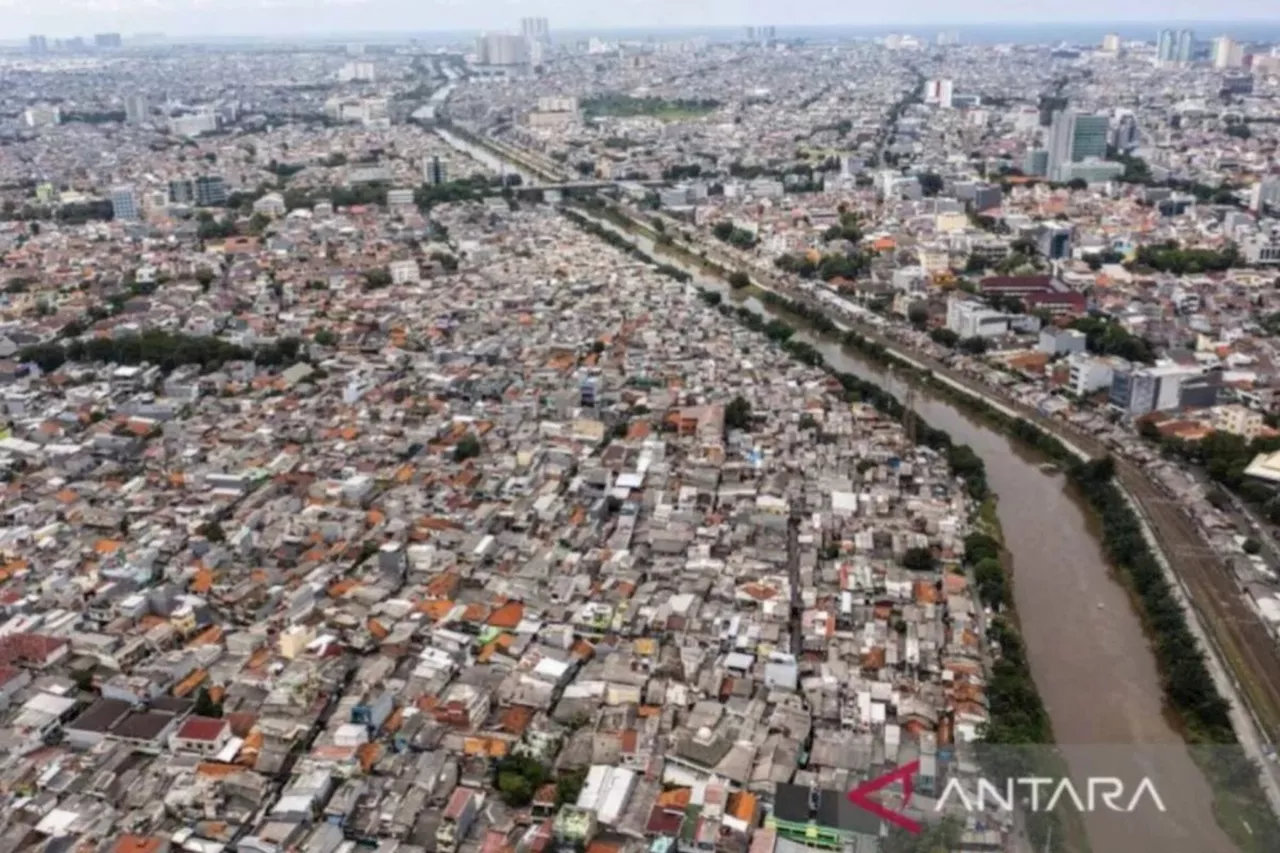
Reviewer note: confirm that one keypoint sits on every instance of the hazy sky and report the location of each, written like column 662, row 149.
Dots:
column 227, row 17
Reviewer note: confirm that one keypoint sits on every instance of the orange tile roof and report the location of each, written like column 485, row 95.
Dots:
column 107, row 546
column 137, row 844
column 507, row 616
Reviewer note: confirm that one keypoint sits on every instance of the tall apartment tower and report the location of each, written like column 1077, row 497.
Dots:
column 536, row 31
column 38, row 44
column 135, row 109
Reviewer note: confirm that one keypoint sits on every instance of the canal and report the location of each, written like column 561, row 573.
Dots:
column 1090, row 658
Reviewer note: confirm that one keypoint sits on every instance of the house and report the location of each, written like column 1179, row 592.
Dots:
column 203, row 735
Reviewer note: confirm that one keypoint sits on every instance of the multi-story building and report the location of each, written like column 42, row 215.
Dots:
column 975, row 320
column 434, row 172
column 135, row 108
column 1086, row 374
column 124, row 204
column 501, row 49
column 107, row 40
column 1111, row 43
column 1074, row 137
column 536, row 31
column 1227, row 53
column 41, row 115
column 1238, row 420
column 211, row 191
column 38, row 44
column 1175, row 47
column 939, row 91
column 194, row 124
column 357, row 72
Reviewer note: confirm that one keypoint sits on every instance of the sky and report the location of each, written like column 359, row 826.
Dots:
column 62, row 18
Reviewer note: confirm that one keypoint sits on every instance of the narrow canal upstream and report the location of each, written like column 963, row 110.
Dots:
column 1091, row 661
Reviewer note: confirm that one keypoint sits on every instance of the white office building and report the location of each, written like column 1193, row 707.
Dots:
column 136, row 109
column 975, row 320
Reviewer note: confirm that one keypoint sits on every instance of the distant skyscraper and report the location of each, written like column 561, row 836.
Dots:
column 1074, row 137
column 1227, row 53
column 751, row 35
column 1186, row 46
column 1111, row 43
column 124, row 203
column 38, row 44
column 135, row 109
column 1167, row 47
column 536, row 31
column 501, row 49
column 107, row 40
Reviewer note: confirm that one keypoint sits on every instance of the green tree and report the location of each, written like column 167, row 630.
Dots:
column 918, row 559
column 468, row 448
column 738, row 280
column 212, row 530
column 918, row 314
column 326, row 337
column 1252, row 546
column 205, row 706
column 737, row 415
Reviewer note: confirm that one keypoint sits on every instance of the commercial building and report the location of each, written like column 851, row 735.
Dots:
column 124, row 203
column 41, row 115
column 1111, row 43
column 502, row 50
column 975, row 320
column 211, row 191
column 107, row 40
column 1137, row 390
column 1054, row 341
column 1053, row 241
column 1037, row 292
column 1086, row 374
column 1074, row 137
column 357, row 72
column 193, row 124
column 135, row 109
column 38, row 44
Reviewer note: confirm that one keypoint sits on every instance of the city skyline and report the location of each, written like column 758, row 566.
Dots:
column 66, row 18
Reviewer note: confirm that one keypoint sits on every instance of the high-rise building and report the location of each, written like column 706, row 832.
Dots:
column 433, row 171
column 1125, row 135
column 135, row 109
column 536, row 31
column 182, row 191
column 357, row 72
column 1111, row 43
column 1227, row 53
column 751, row 35
column 211, row 191
column 1266, row 193
column 1186, row 46
column 124, row 203
column 1074, row 137
column 501, row 49
column 107, row 40
column 37, row 44
column 939, row 91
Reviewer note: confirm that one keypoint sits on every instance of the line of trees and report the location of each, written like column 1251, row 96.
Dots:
column 169, row 350
column 613, row 238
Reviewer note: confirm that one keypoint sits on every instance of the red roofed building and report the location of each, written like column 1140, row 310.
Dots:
column 34, row 650
column 203, row 735
column 1037, row 292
